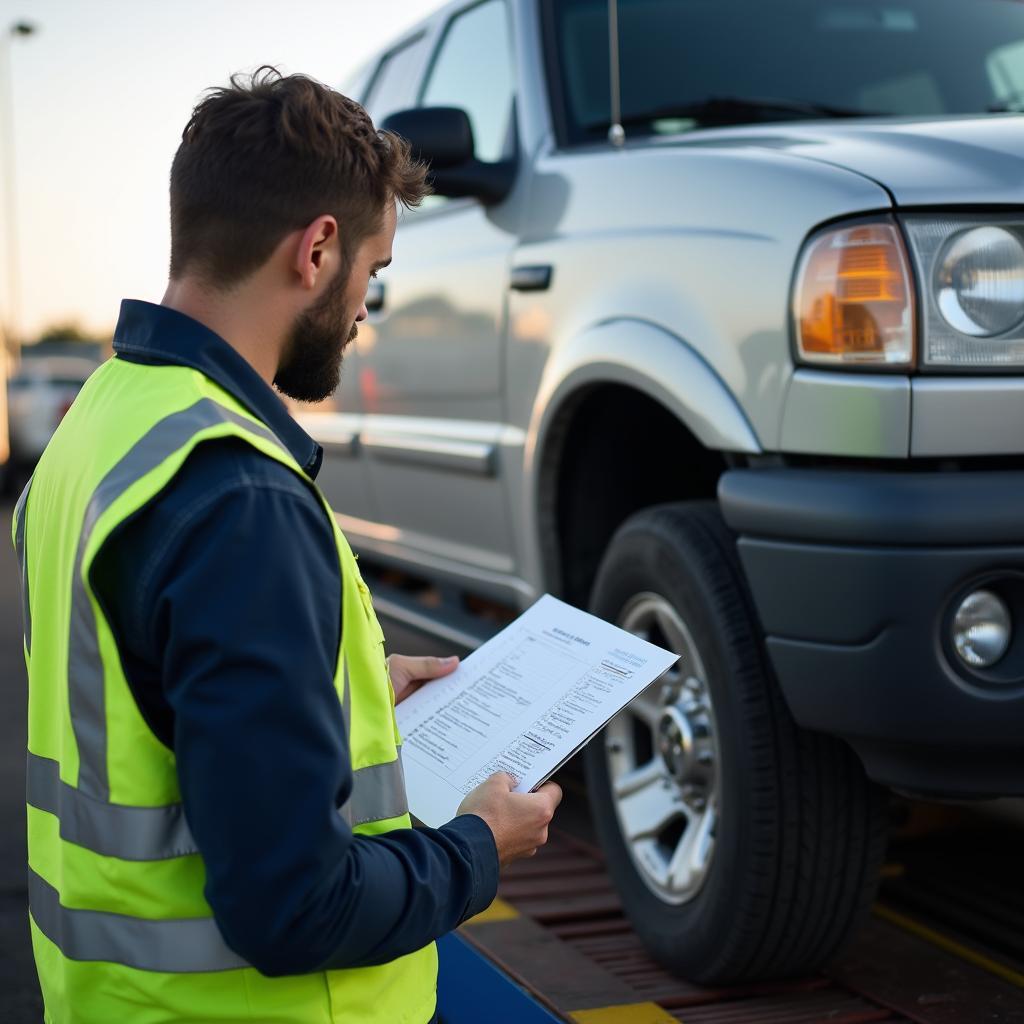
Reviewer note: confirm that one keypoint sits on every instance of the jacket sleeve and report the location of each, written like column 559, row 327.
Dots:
column 242, row 601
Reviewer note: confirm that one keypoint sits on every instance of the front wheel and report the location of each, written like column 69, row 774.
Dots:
column 743, row 846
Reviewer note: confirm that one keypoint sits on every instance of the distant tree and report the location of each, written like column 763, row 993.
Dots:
column 68, row 332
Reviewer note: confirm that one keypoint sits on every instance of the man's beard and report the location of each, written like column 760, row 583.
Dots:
column 310, row 367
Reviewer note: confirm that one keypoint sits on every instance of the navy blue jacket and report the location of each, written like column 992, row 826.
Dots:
column 224, row 595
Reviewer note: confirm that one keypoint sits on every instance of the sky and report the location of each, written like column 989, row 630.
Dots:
column 101, row 92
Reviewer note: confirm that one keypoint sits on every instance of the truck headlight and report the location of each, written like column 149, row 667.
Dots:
column 972, row 274
column 979, row 282
column 853, row 302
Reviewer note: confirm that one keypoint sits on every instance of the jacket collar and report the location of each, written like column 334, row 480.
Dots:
column 156, row 335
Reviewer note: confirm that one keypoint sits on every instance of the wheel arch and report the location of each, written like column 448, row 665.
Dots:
column 613, row 401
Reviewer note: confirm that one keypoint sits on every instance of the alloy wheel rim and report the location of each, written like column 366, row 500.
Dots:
column 663, row 761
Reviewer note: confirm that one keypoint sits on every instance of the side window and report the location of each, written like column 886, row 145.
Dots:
column 393, row 85
column 473, row 70
column 356, row 81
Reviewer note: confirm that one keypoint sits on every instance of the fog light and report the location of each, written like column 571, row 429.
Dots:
column 981, row 629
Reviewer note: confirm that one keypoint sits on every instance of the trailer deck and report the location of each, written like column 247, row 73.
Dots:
column 556, row 946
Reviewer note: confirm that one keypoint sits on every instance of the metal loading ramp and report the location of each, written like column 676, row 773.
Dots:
column 556, row 946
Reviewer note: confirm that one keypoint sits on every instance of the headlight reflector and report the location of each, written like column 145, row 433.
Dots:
column 853, row 301
column 971, row 269
column 979, row 282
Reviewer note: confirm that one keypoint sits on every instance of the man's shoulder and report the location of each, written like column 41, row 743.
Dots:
column 228, row 467
column 225, row 508
column 225, row 477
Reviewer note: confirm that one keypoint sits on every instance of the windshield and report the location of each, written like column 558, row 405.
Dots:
column 688, row 64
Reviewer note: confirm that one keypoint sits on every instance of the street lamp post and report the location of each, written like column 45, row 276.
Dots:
column 18, row 29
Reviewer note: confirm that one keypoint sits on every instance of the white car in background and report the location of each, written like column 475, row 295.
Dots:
column 38, row 396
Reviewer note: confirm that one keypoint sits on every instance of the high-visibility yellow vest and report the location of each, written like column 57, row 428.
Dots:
column 120, row 929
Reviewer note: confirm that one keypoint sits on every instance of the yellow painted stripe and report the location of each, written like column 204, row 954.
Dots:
column 972, row 956
column 628, row 1013
column 499, row 910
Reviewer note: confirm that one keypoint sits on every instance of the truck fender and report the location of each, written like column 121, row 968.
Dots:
column 652, row 360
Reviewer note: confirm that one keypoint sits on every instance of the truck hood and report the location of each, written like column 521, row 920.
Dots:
column 921, row 162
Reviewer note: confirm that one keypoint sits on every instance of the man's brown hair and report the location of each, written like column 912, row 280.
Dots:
column 267, row 155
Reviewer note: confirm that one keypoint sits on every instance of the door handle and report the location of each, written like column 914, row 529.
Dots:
column 535, row 278
column 374, row 297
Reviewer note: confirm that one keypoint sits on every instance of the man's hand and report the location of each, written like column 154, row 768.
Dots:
column 519, row 821
column 409, row 674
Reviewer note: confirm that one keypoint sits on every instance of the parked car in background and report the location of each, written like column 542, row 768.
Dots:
column 743, row 373
column 38, row 396
column 5, row 441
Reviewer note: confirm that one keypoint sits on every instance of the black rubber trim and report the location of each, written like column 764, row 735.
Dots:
column 864, row 507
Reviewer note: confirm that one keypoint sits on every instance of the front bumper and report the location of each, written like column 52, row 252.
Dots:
column 855, row 575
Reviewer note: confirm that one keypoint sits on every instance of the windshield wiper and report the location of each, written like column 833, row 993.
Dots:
column 730, row 110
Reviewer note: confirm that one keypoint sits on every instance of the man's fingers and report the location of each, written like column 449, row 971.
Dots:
column 421, row 668
column 434, row 667
column 427, row 667
column 504, row 780
column 553, row 791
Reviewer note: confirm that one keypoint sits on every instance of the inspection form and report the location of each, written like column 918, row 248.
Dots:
column 522, row 703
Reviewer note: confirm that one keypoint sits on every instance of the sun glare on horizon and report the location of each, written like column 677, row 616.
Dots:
column 100, row 94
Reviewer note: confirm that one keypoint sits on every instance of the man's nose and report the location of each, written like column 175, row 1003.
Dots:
column 362, row 314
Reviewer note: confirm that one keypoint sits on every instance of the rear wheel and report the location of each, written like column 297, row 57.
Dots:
column 743, row 846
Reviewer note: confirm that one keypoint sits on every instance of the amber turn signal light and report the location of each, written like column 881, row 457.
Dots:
column 853, row 301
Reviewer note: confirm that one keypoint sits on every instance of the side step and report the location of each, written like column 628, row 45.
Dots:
column 443, row 619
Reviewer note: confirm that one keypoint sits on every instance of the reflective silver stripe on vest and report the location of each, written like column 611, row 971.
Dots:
column 158, row 833
column 114, row 830
column 19, row 545
column 85, row 669
column 378, row 793
column 179, row 946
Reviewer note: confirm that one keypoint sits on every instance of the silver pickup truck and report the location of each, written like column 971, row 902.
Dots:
column 736, row 360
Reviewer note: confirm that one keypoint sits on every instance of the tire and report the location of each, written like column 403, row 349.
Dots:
column 776, row 833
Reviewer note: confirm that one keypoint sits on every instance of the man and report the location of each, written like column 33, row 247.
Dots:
column 217, row 822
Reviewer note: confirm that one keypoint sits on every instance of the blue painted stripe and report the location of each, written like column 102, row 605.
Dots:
column 470, row 989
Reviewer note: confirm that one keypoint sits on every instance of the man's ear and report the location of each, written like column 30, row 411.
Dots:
column 317, row 250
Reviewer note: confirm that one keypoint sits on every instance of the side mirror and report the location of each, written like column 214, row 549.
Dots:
column 443, row 138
